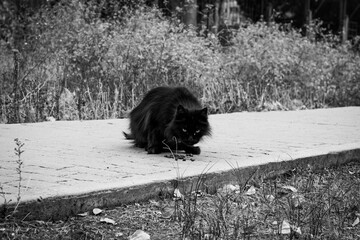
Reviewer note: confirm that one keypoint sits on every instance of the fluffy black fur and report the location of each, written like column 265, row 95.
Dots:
column 172, row 115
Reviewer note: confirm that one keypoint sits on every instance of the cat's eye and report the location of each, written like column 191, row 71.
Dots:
column 197, row 131
column 184, row 130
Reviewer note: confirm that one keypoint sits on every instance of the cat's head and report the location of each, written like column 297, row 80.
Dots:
column 189, row 126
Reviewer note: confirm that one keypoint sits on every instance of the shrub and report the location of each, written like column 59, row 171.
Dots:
column 147, row 51
column 267, row 65
column 77, row 64
column 83, row 67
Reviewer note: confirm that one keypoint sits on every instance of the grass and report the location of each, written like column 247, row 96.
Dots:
column 301, row 204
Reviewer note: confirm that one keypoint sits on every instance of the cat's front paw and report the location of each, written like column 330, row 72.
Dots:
column 193, row 150
column 153, row 150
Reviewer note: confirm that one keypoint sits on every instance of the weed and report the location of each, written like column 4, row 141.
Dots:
column 18, row 152
column 186, row 207
column 19, row 161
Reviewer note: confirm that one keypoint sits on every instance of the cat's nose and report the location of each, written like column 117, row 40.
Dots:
column 192, row 141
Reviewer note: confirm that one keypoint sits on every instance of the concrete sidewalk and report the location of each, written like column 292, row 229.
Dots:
column 70, row 167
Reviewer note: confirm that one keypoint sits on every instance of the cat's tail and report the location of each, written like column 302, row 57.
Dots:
column 128, row 136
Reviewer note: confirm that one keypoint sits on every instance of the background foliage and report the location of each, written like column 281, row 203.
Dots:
column 74, row 63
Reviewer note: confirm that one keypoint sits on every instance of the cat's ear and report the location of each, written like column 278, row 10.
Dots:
column 204, row 112
column 180, row 110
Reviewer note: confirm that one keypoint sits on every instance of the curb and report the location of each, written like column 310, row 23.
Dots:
column 63, row 207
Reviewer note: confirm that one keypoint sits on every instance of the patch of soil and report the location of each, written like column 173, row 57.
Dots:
column 168, row 219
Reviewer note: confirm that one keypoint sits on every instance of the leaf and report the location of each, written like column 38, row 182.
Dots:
column 139, row 235
column 296, row 229
column 285, row 190
column 107, row 220
column 250, row 191
column 298, row 200
column 50, row 119
column 356, row 222
column 40, row 222
column 83, row 214
column 154, row 203
column 249, row 229
column 167, row 213
column 270, row 197
column 157, row 212
column 197, row 193
column 291, row 188
column 228, row 188
column 285, row 227
column 97, row 211
column 177, row 194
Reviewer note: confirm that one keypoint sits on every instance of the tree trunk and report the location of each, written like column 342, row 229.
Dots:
column 190, row 14
column 16, row 101
column 189, row 10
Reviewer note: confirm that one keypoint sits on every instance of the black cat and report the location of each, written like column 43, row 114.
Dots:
column 168, row 115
